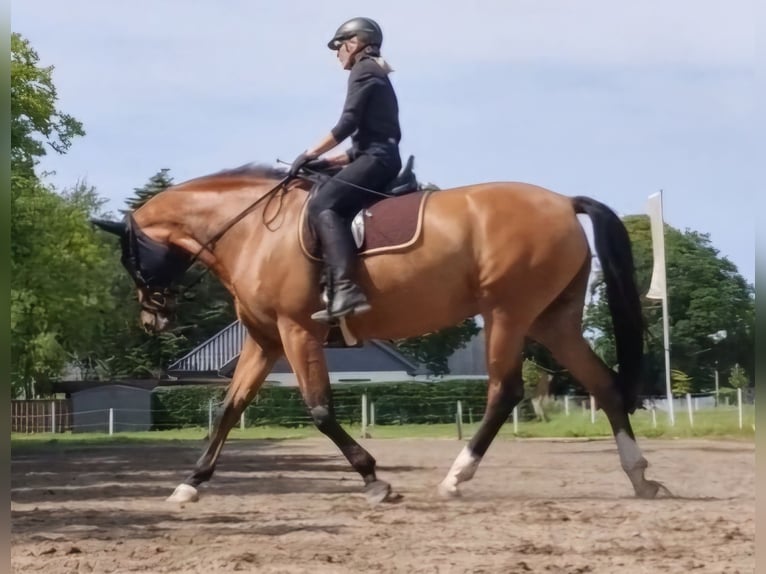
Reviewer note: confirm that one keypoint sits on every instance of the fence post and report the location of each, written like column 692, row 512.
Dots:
column 739, row 406
column 372, row 413
column 364, row 415
column 566, row 405
column 210, row 417
column 111, row 421
column 53, row 417
column 592, row 409
column 689, row 408
column 459, row 420
column 516, row 420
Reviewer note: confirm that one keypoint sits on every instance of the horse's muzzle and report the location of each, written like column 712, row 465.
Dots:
column 153, row 322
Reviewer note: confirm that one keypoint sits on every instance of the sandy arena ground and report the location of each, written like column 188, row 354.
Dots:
column 295, row 506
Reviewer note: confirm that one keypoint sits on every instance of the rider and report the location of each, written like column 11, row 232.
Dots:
column 371, row 117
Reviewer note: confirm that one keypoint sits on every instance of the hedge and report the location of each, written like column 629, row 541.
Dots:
column 395, row 403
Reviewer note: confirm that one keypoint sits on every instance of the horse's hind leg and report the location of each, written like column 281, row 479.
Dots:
column 559, row 329
column 305, row 352
column 255, row 362
column 505, row 343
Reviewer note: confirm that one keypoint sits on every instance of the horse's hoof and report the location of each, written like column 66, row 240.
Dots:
column 651, row 489
column 184, row 493
column 378, row 491
column 448, row 490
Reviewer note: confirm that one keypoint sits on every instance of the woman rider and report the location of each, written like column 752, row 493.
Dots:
column 371, row 117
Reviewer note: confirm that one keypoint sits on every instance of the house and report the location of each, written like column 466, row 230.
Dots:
column 91, row 402
column 374, row 362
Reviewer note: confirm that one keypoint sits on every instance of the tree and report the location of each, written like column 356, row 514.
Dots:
column 35, row 119
column 59, row 269
column 738, row 378
column 60, row 282
column 680, row 383
column 706, row 294
column 536, row 387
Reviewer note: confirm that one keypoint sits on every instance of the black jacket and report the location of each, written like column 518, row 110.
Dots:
column 371, row 111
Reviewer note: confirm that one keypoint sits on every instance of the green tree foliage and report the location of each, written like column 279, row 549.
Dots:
column 738, row 377
column 57, row 263
column 706, row 294
column 35, row 119
column 680, row 383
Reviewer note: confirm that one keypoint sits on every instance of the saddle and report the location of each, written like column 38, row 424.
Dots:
column 391, row 224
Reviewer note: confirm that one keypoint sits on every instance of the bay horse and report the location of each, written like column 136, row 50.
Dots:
column 515, row 253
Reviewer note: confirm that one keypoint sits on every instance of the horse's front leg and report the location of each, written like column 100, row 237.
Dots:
column 303, row 348
column 255, row 363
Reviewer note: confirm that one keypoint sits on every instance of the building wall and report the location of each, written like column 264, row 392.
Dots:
column 289, row 380
column 470, row 361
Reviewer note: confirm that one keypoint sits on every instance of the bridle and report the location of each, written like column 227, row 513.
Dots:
column 155, row 266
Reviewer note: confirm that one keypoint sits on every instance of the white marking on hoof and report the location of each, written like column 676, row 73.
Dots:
column 447, row 490
column 184, row 493
column 463, row 469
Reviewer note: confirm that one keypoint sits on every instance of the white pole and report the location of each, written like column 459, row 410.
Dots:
column 716, row 384
column 739, row 406
column 459, row 420
column 666, row 329
column 658, row 286
column 53, row 417
column 372, row 413
column 516, row 420
column 111, row 421
column 242, row 421
column 654, row 417
column 566, row 404
column 210, row 418
column 364, row 415
column 689, row 407
column 592, row 409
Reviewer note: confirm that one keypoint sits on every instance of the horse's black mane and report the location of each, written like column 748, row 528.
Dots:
column 260, row 170
column 250, row 170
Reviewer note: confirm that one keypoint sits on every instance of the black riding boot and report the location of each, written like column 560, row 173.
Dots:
column 339, row 251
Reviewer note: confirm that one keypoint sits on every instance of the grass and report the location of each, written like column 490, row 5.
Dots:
column 712, row 423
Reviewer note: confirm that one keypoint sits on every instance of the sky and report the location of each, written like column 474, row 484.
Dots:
column 612, row 99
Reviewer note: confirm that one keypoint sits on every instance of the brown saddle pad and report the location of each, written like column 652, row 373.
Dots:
column 391, row 224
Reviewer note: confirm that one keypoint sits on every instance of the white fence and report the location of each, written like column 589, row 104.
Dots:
column 113, row 419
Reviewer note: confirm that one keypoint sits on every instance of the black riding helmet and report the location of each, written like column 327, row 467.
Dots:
column 365, row 29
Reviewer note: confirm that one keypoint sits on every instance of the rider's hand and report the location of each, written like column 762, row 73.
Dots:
column 298, row 163
column 318, row 164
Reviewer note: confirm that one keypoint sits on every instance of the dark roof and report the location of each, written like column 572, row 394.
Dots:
column 220, row 353
column 372, row 356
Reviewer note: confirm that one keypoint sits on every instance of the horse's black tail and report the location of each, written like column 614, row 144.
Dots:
column 614, row 253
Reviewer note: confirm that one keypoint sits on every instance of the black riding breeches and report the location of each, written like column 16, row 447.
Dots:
column 370, row 171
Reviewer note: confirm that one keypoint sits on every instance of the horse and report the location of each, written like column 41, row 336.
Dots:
column 514, row 253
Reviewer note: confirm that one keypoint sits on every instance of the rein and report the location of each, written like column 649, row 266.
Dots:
column 210, row 243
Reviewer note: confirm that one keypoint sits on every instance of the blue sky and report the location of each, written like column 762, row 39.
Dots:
column 611, row 99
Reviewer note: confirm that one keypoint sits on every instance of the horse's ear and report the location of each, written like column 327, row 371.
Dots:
column 116, row 227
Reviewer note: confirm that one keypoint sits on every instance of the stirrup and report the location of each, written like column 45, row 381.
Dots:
column 324, row 315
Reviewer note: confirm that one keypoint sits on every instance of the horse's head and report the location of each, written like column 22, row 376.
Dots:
column 154, row 266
